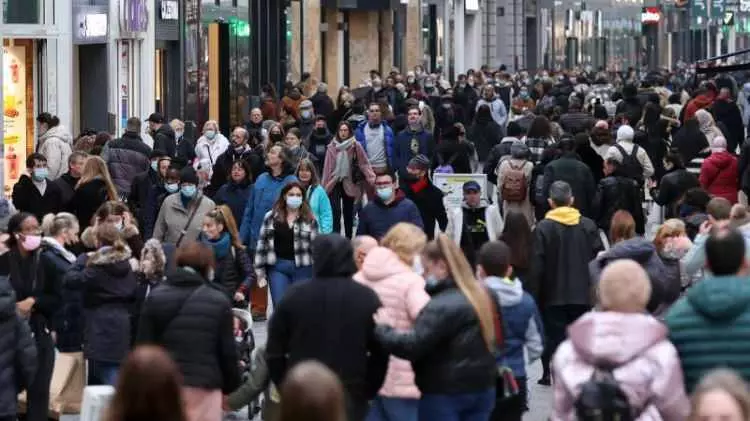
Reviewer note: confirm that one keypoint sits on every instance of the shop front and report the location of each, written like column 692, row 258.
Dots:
column 36, row 76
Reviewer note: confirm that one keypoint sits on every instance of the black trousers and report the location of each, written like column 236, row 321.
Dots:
column 556, row 321
column 341, row 203
column 38, row 392
column 511, row 409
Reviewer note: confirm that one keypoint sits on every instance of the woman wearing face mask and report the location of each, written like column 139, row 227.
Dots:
column 208, row 148
column 181, row 214
column 58, row 247
column 236, row 191
column 234, row 270
column 315, row 195
column 275, row 135
column 345, row 170
column 37, row 286
column 454, row 338
column 108, row 284
column 394, row 272
column 293, row 143
column 93, row 189
column 118, row 214
column 283, row 254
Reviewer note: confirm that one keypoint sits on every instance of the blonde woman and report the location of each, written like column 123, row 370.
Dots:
column 721, row 395
column 93, row 189
column 453, row 339
column 672, row 243
column 208, row 148
column 393, row 271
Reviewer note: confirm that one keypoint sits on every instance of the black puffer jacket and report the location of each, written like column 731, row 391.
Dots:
column 108, row 284
column 164, row 140
column 127, row 157
column 672, row 187
column 570, row 169
column 446, row 347
column 18, row 362
column 193, row 322
column 617, row 192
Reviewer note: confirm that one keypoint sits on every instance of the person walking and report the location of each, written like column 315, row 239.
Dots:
column 94, row 188
column 236, row 191
column 389, row 208
column 428, row 198
column 55, row 143
column 34, row 192
column 127, row 157
column 208, row 148
column 180, row 215
column 163, row 134
column 315, row 195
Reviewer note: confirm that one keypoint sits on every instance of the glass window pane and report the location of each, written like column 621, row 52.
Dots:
column 22, row 11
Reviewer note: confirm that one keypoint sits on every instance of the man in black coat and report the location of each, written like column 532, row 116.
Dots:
column 240, row 149
column 67, row 182
column 617, row 191
column 418, row 188
column 164, row 137
column 143, row 189
column 18, row 359
column 330, row 319
column 127, row 156
column 34, row 192
column 726, row 112
column 564, row 243
column 322, row 103
column 570, row 169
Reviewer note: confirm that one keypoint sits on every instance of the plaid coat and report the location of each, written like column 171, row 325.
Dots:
column 265, row 252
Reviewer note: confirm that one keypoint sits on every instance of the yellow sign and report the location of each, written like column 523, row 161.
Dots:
column 14, row 114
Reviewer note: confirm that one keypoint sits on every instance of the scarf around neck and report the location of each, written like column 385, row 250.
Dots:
column 221, row 245
column 342, row 169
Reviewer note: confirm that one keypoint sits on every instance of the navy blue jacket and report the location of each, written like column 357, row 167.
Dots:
column 235, row 196
column 402, row 148
column 377, row 218
column 68, row 323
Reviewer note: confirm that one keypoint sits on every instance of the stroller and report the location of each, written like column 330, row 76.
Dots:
column 245, row 342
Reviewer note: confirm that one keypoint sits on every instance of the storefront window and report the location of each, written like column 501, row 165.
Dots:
column 22, row 11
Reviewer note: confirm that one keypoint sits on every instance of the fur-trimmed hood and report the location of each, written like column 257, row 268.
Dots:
column 88, row 238
column 114, row 261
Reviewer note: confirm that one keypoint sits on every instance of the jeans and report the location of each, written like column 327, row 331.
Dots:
column 103, row 372
column 342, row 204
column 383, row 408
column 458, row 407
column 283, row 274
column 556, row 320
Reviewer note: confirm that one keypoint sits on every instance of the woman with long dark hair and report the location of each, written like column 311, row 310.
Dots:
column 517, row 235
column 315, row 194
column 283, row 255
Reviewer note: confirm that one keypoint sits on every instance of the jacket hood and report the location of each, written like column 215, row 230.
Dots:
column 382, row 263
column 7, row 299
column 722, row 159
column 637, row 249
column 509, row 291
column 333, row 257
column 400, row 196
column 88, row 237
column 704, row 100
column 565, row 215
column 59, row 132
column 721, row 297
column 614, row 338
column 112, row 260
column 483, row 204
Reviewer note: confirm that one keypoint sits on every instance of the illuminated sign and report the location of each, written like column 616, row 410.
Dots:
column 650, row 15
column 170, row 10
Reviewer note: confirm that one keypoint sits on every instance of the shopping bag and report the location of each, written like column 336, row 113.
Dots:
column 95, row 402
column 68, row 381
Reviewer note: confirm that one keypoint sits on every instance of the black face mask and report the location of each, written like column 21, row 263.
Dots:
column 410, row 178
column 320, row 130
column 276, row 137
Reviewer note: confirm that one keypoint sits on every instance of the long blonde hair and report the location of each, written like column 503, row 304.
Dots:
column 223, row 215
column 444, row 249
column 406, row 240
column 96, row 167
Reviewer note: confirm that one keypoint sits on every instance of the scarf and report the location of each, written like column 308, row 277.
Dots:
column 343, row 168
column 221, row 245
column 53, row 243
column 419, row 185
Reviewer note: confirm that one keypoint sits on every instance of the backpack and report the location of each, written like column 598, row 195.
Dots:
column 446, row 168
column 515, row 185
column 602, row 399
column 631, row 167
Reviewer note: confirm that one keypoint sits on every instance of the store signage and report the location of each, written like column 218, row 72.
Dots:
column 90, row 25
column 134, row 16
column 170, row 10
column 728, row 19
column 650, row 15
column 14, row 114
column 745, row 6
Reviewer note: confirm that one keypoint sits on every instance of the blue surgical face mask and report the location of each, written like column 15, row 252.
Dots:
column 188, row 191
column 171, row 187
column 40, row 174
column 210, row 134
column 155, row 165
column 293, row 202
column 431, row 280
column 385, row 193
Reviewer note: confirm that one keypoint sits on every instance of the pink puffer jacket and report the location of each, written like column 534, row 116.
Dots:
column 648, row 367
column 401, row 291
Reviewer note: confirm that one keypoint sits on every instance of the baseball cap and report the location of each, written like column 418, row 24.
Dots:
column 155, row 118
column 471, row 185
column 419, row 162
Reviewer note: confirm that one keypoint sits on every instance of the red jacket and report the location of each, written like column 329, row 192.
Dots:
column 700, row 102
column 719, row 175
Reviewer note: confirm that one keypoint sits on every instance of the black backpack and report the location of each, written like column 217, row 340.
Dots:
column 602, row 399
column 631, row 167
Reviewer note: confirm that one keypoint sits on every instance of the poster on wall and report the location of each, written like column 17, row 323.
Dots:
column 452, row 187
column 14, row 114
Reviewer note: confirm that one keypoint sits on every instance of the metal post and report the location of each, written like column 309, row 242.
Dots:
column 301, row 38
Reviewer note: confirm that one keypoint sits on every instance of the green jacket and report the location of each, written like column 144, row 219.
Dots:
column 710, row 327
column 258, row 382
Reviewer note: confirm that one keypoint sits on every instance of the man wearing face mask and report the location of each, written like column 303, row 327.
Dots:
column 306, row 123
column 142, row 192
column 34, row 192
column 240, row 149
column 388, row 209
column 412, row 141
column 164, row 136
column 319, row 139
column 418, row 187
column 181, row 215
column 523, row 102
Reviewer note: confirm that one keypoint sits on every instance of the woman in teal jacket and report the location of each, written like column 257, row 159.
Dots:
column 316, row 195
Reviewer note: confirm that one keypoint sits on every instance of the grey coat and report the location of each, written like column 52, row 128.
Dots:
column 173, row 218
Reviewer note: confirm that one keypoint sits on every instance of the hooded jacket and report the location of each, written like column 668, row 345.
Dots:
column 329, row 319
column 570, row 169
column 126, row 158
column 164, row 140
column 404, row 148
column 672, row 187
column 429, row 201
column 710, row 327
column 27, row 198
column 646, row 365
column 618, row 192
column 68, row 323
column 401, row 291
column 485, row 133
column 720, row 176
column 18, row 358
column 108, row 285
column 700, row 102
column 376, row 218
column 665, row 283
column 564, row 244
column 263, row 195
column 56, row 144
column 523, row 324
